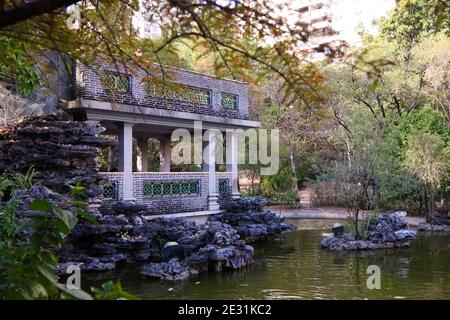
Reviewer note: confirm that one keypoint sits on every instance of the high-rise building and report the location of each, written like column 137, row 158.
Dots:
column 332, row 22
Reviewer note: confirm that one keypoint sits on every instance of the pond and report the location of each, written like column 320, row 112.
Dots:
column 297, row 268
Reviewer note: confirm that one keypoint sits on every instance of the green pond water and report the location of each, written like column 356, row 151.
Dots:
column 297, row 268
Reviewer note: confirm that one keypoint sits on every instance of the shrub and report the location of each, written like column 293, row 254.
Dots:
column 290, row 198
column 28, row 263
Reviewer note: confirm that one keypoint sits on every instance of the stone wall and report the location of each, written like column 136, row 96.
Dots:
column 117, row 179
column 224, row 197
column 89, row 86
column 167, row 204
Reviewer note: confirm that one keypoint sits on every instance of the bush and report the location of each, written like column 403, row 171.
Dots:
column 27, row 259
column 279, row 188
column 290, row 198
column 324, row 193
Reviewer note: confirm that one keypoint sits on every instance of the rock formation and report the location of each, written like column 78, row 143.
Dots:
column 441, row 224
column 255, row 225
column 130, row 235
column 62, row 152
column 246, row 204
column 387, row 231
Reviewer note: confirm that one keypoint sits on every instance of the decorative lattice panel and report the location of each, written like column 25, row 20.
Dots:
column 110, row 190
column 178, row 92
column 223, row 186
column 194, row 187
column 147, row 189
column 228, row 100
column 157, row 190
column 171, row 188
column 116, row 82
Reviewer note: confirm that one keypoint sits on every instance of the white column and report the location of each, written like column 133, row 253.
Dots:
column 142, row 155
column 209, row 165
column 165, row 155
column 126, row 159
column 232, row 161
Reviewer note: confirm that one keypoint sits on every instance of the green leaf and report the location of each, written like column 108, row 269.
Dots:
column 78, row 203
column 54, row 239
column 48, row 258
column 112, row 291
column 47, row 272
column 88, row 218
column 374, row 85
column 67, row 217
column 36, row 240
column 62, row 227
column 77, row 294
column 78, row 190
column 34, row 290
column 34, row 223
column 40, row 205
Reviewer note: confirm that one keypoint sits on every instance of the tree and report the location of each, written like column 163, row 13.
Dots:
column 15, row 11
column 16, row 65
column 430, row 58
column 413, row 20
column 427, row 158
column 105, row 31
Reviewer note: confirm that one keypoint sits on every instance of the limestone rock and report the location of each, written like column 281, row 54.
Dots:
column 387, row 231
column 245, row 204
column 424, row 226
column 62, row 152
column 171, row 270
column 254, row 225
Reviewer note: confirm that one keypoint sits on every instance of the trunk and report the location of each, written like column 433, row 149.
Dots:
column 109, row 159
column 294, row 173
column 253, row 183
column 294, row 170
column 367, row 201
column 429, row 203
column 349, row 150
column 356, row 222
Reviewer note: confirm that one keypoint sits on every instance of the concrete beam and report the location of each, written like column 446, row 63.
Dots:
column 100, row 110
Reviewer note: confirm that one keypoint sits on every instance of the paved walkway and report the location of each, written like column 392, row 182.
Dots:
column 327, row 213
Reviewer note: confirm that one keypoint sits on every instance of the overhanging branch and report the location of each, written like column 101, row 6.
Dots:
column 12, row 12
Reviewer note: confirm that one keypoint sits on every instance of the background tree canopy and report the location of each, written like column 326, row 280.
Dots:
column 379, row 137
column 369, row 114
column 246, row 40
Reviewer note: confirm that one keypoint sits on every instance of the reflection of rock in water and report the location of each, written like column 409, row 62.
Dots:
column 232, row 277
column 390, row 261
column 275, row 249
column 311, row 273
column 397, row 265
column 119, row 273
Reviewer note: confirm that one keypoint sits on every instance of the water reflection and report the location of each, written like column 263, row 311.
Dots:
column 298, row 269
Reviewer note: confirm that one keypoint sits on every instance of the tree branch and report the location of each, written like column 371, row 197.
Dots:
column 29, row 9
